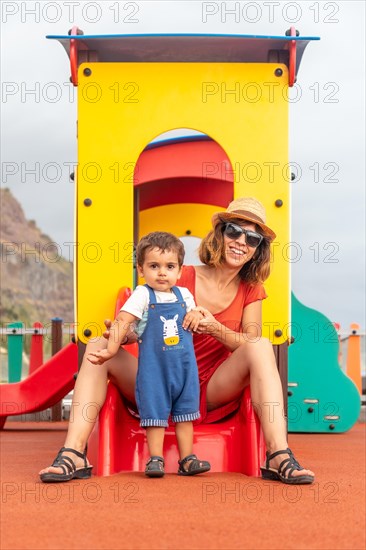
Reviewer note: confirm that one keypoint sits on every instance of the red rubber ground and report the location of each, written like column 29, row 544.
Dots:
column 212, row 511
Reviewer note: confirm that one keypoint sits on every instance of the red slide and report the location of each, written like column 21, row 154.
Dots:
column 42, row 389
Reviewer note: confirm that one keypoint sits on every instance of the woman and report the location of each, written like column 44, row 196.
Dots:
column 229, row 349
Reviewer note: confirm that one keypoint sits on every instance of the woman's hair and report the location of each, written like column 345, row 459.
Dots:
column 161, row 240
column 212, row 253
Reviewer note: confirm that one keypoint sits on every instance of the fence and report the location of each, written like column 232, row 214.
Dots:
column 351, row 351
column 16, row 335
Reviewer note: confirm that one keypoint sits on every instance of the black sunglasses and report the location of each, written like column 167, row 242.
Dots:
column 234, row 231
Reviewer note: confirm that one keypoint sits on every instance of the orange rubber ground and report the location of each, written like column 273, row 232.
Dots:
column 211, row 511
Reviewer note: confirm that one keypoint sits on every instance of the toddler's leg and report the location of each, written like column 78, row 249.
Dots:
column 155, row 441
column 184, row 433
column 189, row 464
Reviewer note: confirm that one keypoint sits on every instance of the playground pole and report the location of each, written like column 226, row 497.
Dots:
column 36, row 349
column 56, row 335
column 354, row 356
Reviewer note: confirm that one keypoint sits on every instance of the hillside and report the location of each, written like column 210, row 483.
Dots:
column 36, row 282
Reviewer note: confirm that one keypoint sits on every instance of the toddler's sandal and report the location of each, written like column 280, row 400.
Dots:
column 195, row 466
column 155, row 467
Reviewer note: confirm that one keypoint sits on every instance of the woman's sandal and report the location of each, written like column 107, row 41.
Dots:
column 68, row 466
column 195, row 467
column 155, row 467
column 287, row 464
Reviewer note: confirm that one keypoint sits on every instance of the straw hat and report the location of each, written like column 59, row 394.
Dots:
column 245, row 208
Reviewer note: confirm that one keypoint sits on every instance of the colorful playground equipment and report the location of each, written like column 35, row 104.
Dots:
column 321, row 398
column 131, row 89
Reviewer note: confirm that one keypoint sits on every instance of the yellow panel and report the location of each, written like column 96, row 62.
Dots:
column 178, row 219
column 122, row 107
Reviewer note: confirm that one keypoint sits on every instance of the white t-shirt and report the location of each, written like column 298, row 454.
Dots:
column 138, row 303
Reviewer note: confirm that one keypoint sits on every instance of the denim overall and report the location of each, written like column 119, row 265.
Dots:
column 167, row 378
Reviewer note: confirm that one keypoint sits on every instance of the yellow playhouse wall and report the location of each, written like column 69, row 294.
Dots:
column 122, row 107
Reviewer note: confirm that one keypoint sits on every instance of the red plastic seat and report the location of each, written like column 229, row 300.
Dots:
column 118, row 443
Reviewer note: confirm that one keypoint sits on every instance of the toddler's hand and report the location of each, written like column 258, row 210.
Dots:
column 99, row 357
column 191, row 320
column 208, row 323
column 108, row 324
column 131, row 336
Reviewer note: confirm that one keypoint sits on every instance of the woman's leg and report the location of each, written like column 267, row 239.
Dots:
column 90, row 392
column 254, row 363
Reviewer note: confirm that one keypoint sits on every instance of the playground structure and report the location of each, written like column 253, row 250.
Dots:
column 132, row 89
column 142, row 87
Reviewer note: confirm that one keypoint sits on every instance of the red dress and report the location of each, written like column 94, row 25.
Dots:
column 210, row 353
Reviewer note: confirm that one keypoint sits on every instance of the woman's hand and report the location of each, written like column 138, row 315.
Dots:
column 208, row 323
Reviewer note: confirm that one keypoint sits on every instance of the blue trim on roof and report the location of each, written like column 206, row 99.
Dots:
column 179, row 139
column 267, row 37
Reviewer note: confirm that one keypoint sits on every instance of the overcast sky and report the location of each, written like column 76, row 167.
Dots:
column 327, row 117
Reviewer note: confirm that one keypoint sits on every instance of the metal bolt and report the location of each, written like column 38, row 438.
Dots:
column 289, row 393
column 288, row 32
column 87, row 332
column 331, row 426
column 278, row 332
column 278, row 72
column 292, row 340
column 87, row 71
column 72, row 176
column 88, row 202
column 278, row 203
column 293, row 176
column 188, row 232
column 79, row 31
column 310, row 409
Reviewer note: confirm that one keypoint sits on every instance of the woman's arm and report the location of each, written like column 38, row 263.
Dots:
column 251, row 326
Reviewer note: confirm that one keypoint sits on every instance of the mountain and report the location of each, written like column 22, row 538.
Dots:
column 36, row 281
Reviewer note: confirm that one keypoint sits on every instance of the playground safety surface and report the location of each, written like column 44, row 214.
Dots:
column 211, row 511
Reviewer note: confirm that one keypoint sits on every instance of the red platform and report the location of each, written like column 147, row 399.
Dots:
column 118, row 443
